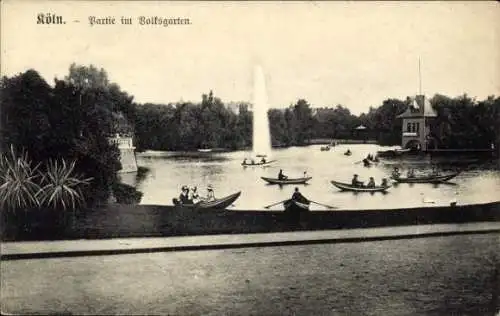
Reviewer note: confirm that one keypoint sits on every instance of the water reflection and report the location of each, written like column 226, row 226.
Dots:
column 478, row 182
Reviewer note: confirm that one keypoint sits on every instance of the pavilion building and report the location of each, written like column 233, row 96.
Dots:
column 417, row 122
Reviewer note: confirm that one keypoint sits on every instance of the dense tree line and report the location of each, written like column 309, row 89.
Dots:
column 74, row 118
column 466, row 123
column 188, row 126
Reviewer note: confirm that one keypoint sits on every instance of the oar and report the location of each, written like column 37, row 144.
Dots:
column 327, row 206
column 275, row 203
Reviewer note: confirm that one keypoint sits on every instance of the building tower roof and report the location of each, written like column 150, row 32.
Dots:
column 420, row 107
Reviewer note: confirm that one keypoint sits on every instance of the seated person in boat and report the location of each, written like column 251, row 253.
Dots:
column 263, row 160
column 366, row 162
column 411, row 173
column 348, row 152
column 210, row 193
column 297, row 196
column 355, row 182
column 371, row 183
column 281, row 176
column 184, row 197
column 435, row 172
column 195, row 197
column 395, row 173
column 384, row 182
column 245, row 161
column 253, row 162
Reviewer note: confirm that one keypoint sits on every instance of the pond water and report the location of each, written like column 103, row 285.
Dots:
column 169, row 171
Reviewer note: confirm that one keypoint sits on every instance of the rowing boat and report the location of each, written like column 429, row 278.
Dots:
column 392, row 152
column 349, row 187
column 286, row 181
column 296, row 206
column 426, row 179
column 215, row 204
column 257, row 163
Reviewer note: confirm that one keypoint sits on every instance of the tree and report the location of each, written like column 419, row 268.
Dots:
column 89, row 78
column 26, row 101
column 303, row 122
column 383, row 120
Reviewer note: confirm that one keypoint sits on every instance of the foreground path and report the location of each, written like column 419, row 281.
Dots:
column 48, row 249
column 441, row 275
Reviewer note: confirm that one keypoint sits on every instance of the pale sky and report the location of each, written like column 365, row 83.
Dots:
column 352, row 53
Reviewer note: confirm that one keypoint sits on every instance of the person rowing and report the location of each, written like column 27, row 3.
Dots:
column 297, row 196
column 371, row 183
column 355, row 182
column 366, row 162
column 245, row 161
column 281, row 176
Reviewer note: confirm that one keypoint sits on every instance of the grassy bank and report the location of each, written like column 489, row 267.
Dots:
column 119, row 220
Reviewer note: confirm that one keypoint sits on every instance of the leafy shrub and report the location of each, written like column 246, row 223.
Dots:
column 126, row 194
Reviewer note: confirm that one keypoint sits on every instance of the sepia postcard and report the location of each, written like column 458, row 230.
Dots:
column 250, row 158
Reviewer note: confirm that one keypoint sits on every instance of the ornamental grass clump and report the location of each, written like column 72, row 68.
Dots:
column 19, row 181
column 60, row 187
column 24, row 186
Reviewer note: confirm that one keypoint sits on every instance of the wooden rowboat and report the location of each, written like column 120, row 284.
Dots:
column 215, row 204
column 426, row 179
column 257, row 163
column 295, row 206
column 286, row 181
column 392, row 152
column 349, row 187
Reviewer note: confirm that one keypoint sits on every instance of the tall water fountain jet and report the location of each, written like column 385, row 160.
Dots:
column 261, row 131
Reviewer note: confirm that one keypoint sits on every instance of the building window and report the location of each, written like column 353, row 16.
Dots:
column 417, row 128
column 408, row 127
